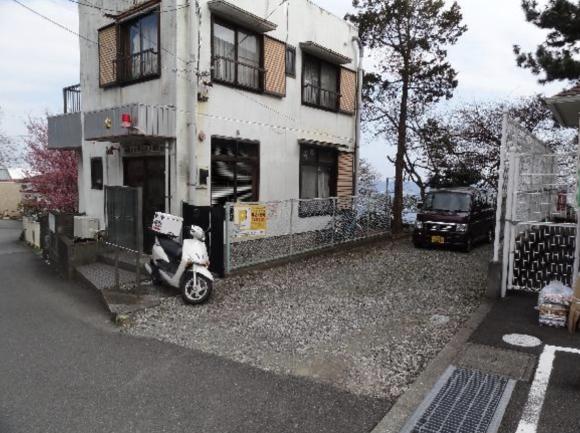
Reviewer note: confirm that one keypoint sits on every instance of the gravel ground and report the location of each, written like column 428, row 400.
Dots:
column 366, row 320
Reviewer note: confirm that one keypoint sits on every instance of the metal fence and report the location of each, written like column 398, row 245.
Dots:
column 262, row 232
column 536, row 215
column 128, row 272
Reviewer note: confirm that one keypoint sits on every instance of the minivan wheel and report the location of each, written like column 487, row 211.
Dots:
column 468, row 246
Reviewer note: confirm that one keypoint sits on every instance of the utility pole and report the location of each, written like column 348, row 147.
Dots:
column 186, row 96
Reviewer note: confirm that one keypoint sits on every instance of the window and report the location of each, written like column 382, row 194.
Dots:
column 96, row 173
column 237, row 56
column 448, row 202
column 235, row 171
column 291, row 61
column 317, row 172
column 139, row 54
column 320, row 84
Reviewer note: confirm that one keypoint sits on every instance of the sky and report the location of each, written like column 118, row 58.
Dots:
column 39, row 59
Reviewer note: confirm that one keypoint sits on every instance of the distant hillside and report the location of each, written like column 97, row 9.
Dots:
column 409, row 188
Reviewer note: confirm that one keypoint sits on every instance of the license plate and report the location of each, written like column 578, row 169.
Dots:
column 437, row 240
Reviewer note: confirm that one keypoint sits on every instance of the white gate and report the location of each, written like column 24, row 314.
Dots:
column 536, row 234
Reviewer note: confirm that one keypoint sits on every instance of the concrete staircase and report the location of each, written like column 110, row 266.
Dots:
column 127, row 298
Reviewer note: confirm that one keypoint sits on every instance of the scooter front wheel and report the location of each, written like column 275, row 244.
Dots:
column 196, row 290
column 154, row 272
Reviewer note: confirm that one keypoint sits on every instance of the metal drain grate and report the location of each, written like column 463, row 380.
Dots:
column 463, row 401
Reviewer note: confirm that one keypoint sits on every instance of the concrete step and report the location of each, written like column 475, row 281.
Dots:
column 127, row 298
column 102, row 276
column 127, row 261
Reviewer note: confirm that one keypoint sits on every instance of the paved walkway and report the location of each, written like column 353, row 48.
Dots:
column 65, row 368
column 543, row 393
column 550, row 401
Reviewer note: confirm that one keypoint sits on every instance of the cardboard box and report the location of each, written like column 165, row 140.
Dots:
column 166, row 224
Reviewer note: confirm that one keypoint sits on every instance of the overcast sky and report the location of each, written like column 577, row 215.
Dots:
column 39, row 59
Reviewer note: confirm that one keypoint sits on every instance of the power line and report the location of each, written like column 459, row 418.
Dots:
column 255, row 123
column 103, row 9
column 50, row 20
column 259, row 123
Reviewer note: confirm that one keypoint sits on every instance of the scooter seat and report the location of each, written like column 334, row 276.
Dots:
column 172, row 249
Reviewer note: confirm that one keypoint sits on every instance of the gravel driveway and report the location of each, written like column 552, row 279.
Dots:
column 366, row 320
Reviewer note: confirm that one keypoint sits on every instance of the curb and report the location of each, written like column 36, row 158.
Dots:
column 405, row 406
column 85, row 282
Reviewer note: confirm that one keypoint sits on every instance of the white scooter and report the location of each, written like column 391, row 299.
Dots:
column 185, row 267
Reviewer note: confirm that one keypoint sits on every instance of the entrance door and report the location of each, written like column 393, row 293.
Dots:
column 149, row 174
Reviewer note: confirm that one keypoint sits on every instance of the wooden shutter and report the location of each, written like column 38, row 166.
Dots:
column 107, row 55
column 344, row 181
column 348, row 91
column 275, row 66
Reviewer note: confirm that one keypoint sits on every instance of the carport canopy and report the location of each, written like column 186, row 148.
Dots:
column 566, row 107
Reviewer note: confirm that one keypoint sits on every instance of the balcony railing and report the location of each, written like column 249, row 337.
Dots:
column 72, row 99
column 236, row 73
column 319, row 97
column 138, row 66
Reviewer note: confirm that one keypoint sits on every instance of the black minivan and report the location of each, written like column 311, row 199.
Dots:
column 458, row 217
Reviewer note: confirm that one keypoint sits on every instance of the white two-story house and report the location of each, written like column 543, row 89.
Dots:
column 212, row 101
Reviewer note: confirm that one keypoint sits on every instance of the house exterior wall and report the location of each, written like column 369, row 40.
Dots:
column 10, row 199
column 278, row 123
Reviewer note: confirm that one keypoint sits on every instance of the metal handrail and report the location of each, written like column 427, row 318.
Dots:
column 72, row 98
column 319, row 96
column 147, row 61
column 235, row 76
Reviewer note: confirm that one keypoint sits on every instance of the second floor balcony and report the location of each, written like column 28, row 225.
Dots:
column 65, row 130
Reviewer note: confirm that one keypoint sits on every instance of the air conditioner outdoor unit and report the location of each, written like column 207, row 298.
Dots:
column 86, row 227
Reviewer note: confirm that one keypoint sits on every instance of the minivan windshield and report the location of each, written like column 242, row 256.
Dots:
column 447, row 202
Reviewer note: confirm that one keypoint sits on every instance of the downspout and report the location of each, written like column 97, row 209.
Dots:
column 360, row 75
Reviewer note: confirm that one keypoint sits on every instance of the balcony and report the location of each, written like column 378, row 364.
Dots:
column 65, row 130
column 137, row 67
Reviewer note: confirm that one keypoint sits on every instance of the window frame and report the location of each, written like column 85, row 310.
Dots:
column 123, row 42
column 95, row 185
column 292, row 72
column 236, row 159
column 318, row 164
column 236, row 28
column 305, row 59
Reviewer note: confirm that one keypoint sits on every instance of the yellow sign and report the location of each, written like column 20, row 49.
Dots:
column 251, row 220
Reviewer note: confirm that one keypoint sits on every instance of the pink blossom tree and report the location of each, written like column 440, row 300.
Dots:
column 52, row 174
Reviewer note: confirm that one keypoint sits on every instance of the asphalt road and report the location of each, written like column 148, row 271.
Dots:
column 65, row 368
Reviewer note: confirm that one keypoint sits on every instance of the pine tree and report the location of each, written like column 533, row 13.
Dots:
column 557, row 56
column 409, row 39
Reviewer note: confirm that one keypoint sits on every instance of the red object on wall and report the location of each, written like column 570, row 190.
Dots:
column 126, row 121
column 562, row 202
